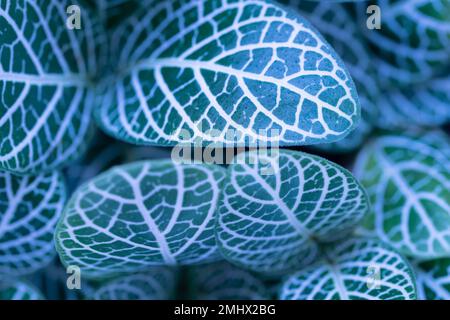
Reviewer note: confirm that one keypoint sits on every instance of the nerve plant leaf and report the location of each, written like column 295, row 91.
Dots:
column 356, row 269
column 18, row 290
column 433, row 279
column 156, row 284
column 143, row 214
column 424, row 105
column 407, row 178
column 339, row 28
column 223, row 281
column 413, row 43
column 46, row 71
column 277, row 208
column 232, row 72
column 29, row 210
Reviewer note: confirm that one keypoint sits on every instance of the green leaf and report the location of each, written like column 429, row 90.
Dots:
column 353, row 270
column 155, row 284
column 29, row 210
column 408, row 181
column 46, row 74
column 433, row 279
column 413, row 43
column 223, row 281
column 277, row 207
column 138, row 215
column 199, row 71
column 18, row 290
column 339, row 28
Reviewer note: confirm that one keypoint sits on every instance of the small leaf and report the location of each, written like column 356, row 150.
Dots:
column 223, row 281
column 155, row 284
column 433, row 279
column 353, row 270
column 413, row 43
column 18, row 290
column 197, row 71
column 46, row 74
column 151, row 213
column 29, row 210
column 276, row 208
column 408, row 181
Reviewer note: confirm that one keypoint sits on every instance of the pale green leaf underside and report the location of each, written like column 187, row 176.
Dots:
column 223, row 281
column 18, row 290
column 45, row 70
column 353, row 270
column 139, row 215
column 29, row 210
column 155, row 284
column 408, row 182
column 272, row 223
column 433, row 279
column 194, row 71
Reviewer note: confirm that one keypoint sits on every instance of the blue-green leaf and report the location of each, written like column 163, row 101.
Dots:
column 29, row 210
column 277, row 207
column 353, row 270
column 407, row 178
column 46, row 74
column 226, row 71
column 138, row 215
column 18, row 290
column 433, row 279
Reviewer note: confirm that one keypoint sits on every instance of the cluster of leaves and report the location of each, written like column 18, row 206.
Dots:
column 280, row 224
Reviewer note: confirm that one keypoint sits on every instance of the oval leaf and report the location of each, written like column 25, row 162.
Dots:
column 233, row 72
column 139, row 215
column 277, row 207
column 29, row 210
column 45, row 74
column 353, row 270
column 408, row 181
column 18, row 290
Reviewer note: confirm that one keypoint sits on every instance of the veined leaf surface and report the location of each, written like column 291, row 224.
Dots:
column 356, row 269
column 340, row 29
column 156, row 284
column 407, row 178
column 29, row 210
column 223, row 281
column 413, row 43
column 433, row 279
column 233, row 72
column 143, row 214
column 276, row 208
column 46, row 71
column 18, row 290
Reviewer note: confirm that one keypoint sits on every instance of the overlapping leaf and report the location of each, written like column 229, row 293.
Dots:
column 339, row 28
column 277, row 207
column 353, row 270
column 29, row 210
column 413, row 44
column 46, row 73
column 433, row 279
column 139, row 215
column 155, row 284
column 18, row 290
column 407, row 178
column 227, row 71
column 223, row 281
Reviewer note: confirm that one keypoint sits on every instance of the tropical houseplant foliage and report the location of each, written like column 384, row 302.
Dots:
column 350, row 200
